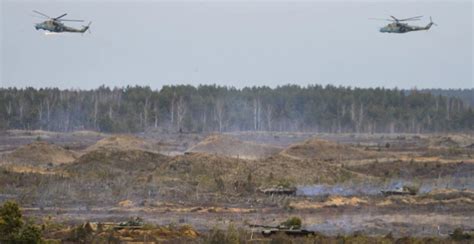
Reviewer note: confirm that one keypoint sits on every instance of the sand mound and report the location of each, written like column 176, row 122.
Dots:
column 229, row 146
column 122, row 142
column 41, row 153
column 325, row 150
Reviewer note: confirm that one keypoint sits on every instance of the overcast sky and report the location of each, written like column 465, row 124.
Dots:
column 237, row 43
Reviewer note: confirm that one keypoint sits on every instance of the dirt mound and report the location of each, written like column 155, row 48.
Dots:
column 204, row 166
column 86, row 133
column 450, row 194
column 333, row 201
column 32, row 133
column 41, row 153
column 229, row 146
column 300, row 172
column 218, row 173
column 122, row 142
column 444, row 141
column 415, row 169
column 109, row 162
column 324, row 150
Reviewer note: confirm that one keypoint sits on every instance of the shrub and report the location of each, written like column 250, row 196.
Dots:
column 459, row 235
column 12, row 227
column 231, row 236
column 294, row 222
column 216, row 236
column 10, row 221
column 29, row 234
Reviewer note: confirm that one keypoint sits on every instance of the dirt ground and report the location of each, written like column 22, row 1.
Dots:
column 208, row 181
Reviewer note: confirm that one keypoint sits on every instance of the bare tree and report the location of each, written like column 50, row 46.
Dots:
column 181, row 111
column 256, row 112
column 156, row 111
column 145, row 111
column 269, row 116
column 219, row 108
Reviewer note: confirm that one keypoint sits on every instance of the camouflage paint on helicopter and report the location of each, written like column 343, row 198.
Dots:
column 398, row 27
column 56, row 25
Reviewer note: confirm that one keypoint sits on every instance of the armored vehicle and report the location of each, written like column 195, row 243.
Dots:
column 135, row 223
column 291, row 231
column 399, row 191
column 279, row 190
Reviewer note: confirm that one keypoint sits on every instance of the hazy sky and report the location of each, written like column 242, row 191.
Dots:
column 237, row 43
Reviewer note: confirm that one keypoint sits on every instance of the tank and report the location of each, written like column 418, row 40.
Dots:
column 135, row 223
column 400, row 191
column 290, row 231
column 279, row 190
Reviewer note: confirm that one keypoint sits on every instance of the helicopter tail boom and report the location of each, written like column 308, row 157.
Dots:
column 85, row 28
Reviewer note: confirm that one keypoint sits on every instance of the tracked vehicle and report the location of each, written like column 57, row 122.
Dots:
column 268, row 230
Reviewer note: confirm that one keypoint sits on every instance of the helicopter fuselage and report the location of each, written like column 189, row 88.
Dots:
column 56, row 26
column 401, row 28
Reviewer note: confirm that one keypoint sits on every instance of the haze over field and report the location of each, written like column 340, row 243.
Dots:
column 238, row 44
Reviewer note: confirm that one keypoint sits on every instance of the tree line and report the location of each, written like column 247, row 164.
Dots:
column 211, row 108
column 466, row 95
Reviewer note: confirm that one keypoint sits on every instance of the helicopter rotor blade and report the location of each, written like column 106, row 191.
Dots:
column 393, row 17
column 381, row 19
column 57, row 18
column 38, row 16
column 71, row 20
column 44, row 15
column 411, row 19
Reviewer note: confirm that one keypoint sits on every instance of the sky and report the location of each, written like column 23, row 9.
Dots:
column 237, row 43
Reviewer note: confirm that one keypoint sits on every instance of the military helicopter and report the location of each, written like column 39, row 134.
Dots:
column 56, row 25
column 398, row 27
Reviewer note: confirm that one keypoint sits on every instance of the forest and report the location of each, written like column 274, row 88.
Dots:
column 212, row 108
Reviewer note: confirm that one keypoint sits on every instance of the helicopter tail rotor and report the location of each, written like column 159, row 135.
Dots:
column 86, row 28
column 430, row 24
column 431, row 21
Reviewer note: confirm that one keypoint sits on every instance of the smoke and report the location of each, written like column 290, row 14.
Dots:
column 375, row 188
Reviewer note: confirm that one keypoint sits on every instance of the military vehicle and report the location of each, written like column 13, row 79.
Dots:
column 56, row 25
column 279, row 190
column 135, row 223
column 405, row 190
column 398, row 27
column 291, row 231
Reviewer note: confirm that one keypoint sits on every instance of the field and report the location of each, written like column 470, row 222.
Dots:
column 197, row 183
